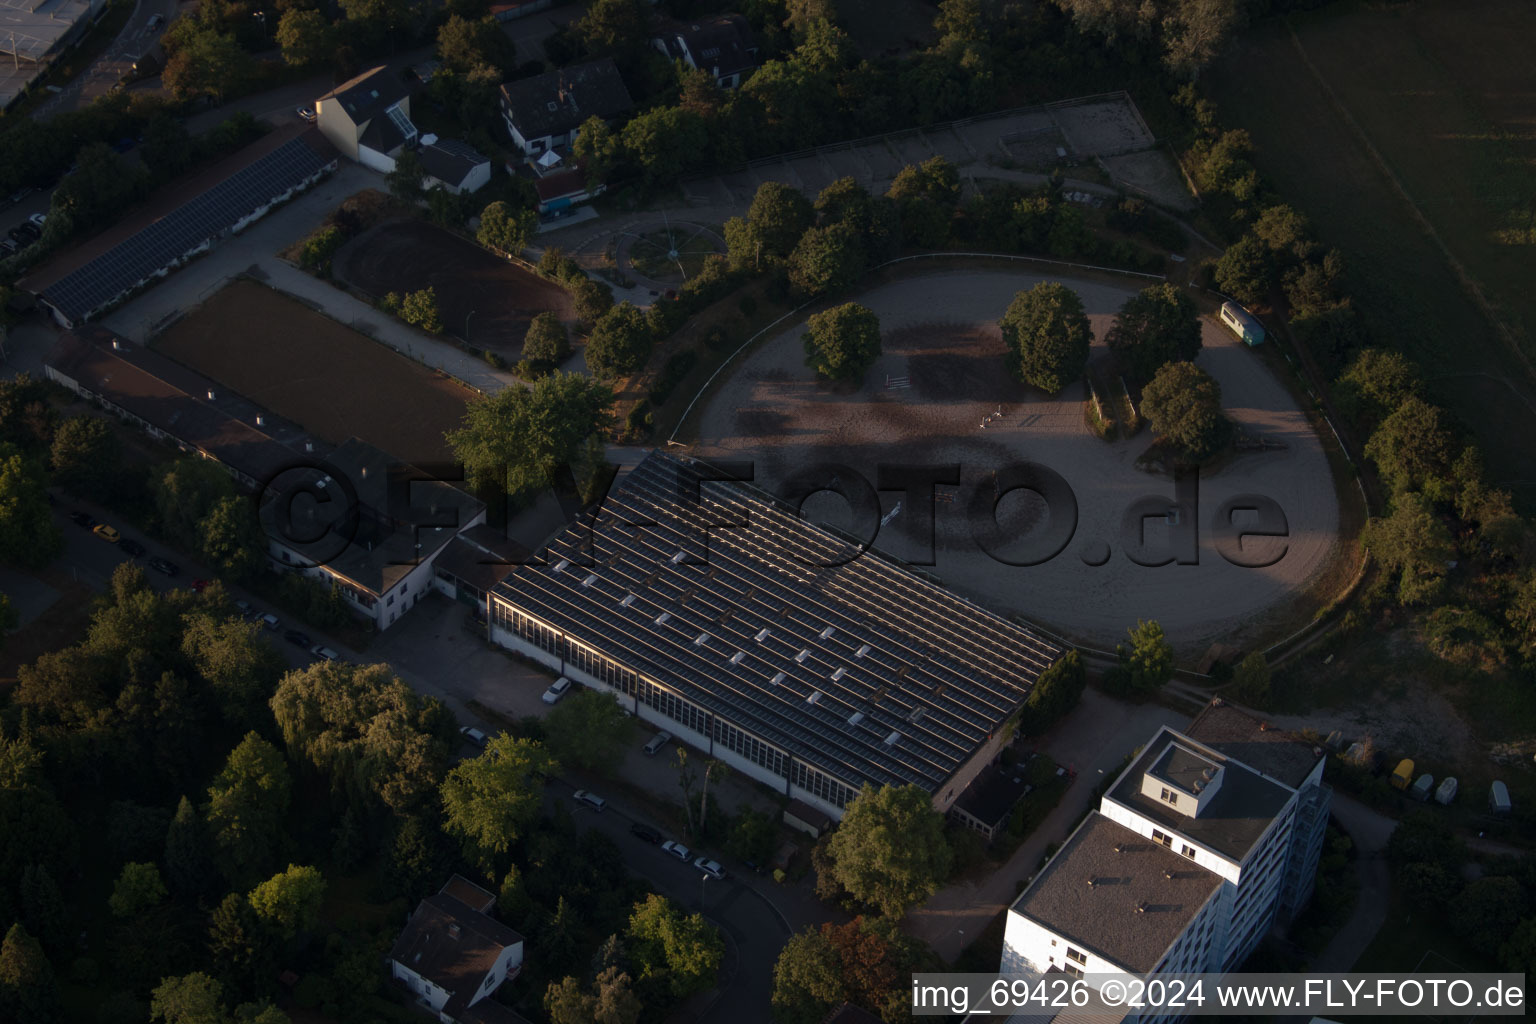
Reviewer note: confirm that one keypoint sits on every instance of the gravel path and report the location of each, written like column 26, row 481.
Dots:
column 940, row 332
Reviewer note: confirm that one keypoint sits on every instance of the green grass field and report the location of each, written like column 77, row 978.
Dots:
column 1406, row 134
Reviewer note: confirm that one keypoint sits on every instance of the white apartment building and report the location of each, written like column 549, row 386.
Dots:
column 1197, row 849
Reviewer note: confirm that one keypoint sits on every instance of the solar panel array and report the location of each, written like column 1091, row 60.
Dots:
column 865, row 670
column 203, row 217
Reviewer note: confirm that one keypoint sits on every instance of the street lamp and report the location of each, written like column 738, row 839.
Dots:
column 261, row 16
column 466, row 325
column 703, row 883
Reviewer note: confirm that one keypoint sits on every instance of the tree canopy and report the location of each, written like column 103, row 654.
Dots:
column 827, row 259
column 246, row 805
column 505, row 228
column 683, row 949
column 1158, row 325
column 490, row 800
column 289, row 902
column 521, row 438
column 587, row 730
column 1413, row 450
column 842, row 342
column 1147, row 663
column 1047, row 335
column 1183, row 404
column 1412, row 545
column 620, row 342
column 890, row 850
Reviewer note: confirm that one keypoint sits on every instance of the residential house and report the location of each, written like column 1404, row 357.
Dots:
column 546, row 111
column 368, row 118
column 723, row 45
column 453, row 954
column 454, row 165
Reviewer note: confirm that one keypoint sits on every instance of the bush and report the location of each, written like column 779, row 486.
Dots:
column 676, row 369
column 318, row 248
column 639, row 422
column 420, row 309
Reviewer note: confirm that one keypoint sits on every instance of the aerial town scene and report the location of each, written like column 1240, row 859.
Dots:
column 766, row 511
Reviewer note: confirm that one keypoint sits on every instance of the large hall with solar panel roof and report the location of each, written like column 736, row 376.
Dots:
column 713, row 611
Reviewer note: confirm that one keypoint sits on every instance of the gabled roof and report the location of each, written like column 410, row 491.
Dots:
column 369, row 93
column 452, row 945
column 722, row 44
column 557, row 101
column 450, row 160
column 382, row 136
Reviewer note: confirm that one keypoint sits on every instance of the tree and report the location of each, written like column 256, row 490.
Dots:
column 42, row 909
column 28, row 992
column 407, row 181
column 779, row 215
column 547, row 343
column 185, row 494
column 1158, row 325
column 289, row 902
column 1413, row 450
column 237, row 662
column 1412, row 545
column 1246, row 271
column 468, row 46
column 190, row 999
column 1377, row 383
column 1250, row 682
column 842, row 342
column 28, row 536
column 590, row 299
column 1147, row 663
column 420, row 308
column 799, row 14
column 138, row 889
column 1055, row 693
column 1194, row 32
column 826, row 259
column 374, row 736
column 305, row 37
column 807, row 979
column 521, row 439
column 611, row 1001
column 597, row 146
column 246, row 805
column 232, row 540
column 1183, row 404
column 587, row 731
column 1047, row 336
column 1521, row 613
column 86, row 456
column 935, row 179
column 620, row 342
column 188, row 865
column 890, row 850
column 684, row 950
column 614, row 28
column 209, row 64
column 490, row 800
column 505, row 229
column 664, row 142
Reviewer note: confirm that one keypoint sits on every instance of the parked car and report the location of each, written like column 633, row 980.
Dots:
column 656, row 742
column 591, row 799
column 677, row 850
column 298, row 638
column 32, row 231
column 84, row 519
column 156, row 20
column 307, row 114
column 107, row 533
column 271, row 622
column 198, row 586
column 711, row 868
column 130, row 547
column 20, row 237
column 39, row 219
column 19, row 195
column 324, row 653
column 645, row 832
column 246, row 611
column 9, row 246
column 474, row 736
column 165, row 565
column 559, row 688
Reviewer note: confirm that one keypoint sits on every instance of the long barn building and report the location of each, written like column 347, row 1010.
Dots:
column 757, row 647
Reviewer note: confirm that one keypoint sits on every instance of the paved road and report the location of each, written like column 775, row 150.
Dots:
column 1370, row 831
column 135, row 40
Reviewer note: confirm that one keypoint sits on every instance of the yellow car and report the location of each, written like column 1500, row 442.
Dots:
column 107, row 533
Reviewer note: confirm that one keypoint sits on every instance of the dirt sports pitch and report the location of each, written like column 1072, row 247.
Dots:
column 322, row 375
column 492, row 298
column 940, row 338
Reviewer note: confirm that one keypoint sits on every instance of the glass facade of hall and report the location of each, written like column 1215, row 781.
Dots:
column 671, row 705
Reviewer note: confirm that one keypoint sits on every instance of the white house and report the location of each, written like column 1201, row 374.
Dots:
column 722, row 45
column 547, row 110
column 1193, row 855
column 452, row 954
column 456, row 166
column 369, row 118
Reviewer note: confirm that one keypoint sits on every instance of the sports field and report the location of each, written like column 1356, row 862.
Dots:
column 941, row 377
column 318, row 373
column 1407, row 134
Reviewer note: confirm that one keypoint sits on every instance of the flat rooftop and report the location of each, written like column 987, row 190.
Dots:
column 864, row 669
column 1234, row 819
column 1278, row 753
column 1141, row 897
column 1181, row 767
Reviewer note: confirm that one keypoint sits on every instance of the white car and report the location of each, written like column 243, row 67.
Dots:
column 677, row 850
column 474, row 736
column 38, row 219
column 556, row 690
column 591, row 799
column 324, row 653
column 711, row 868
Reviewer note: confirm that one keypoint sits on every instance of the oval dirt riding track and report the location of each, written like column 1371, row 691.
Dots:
column 940, row 332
